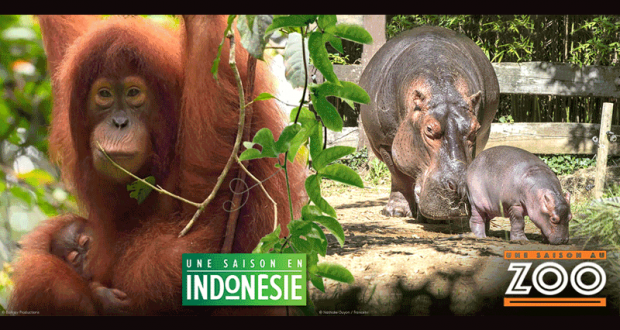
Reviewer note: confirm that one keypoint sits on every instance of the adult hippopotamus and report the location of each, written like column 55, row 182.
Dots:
column 511, row 182
column 433, row 96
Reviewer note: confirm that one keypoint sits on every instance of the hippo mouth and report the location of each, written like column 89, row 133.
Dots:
column 440, row 205
column 554, row 239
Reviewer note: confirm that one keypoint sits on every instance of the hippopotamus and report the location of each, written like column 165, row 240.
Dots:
column 511, row 182
column 433, row 95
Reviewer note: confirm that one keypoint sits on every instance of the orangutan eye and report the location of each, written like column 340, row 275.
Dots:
column 104, row 93
column 133, row 92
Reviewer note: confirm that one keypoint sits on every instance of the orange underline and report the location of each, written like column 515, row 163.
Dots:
column 554, row 255
column 554, row 302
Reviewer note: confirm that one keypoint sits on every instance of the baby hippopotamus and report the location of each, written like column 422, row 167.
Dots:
column 511, row 182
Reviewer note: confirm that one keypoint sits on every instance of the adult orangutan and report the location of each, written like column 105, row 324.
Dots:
column 146, row 94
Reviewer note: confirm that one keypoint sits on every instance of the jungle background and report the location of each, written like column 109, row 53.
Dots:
column 30, row 189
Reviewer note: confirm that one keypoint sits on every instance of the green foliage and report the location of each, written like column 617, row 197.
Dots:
column 252, row 29
column 139, row 190
column 356, row 160
column 575, row 39
column 25, row 108
column 295, row 59
column 578, row 39
column 306, row 234
column 506, row 119
column 603, row 42
column 5, row 282
column 378, row 172
column 567, row 164
column 598, row 222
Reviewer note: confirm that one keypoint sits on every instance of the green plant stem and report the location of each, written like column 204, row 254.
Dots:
column 156, row 188
column 275, row 205
column 233, row 65
column 303, row 95
column 301, row 103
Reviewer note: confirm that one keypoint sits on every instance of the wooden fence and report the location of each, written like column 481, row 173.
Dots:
column 539, row 78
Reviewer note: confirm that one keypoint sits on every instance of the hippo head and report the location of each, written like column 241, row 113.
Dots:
column 434, row 145
column 553, row 216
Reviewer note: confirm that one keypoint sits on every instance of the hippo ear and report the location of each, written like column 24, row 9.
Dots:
column 475, row 100
column 546, row 203
column 567, row 197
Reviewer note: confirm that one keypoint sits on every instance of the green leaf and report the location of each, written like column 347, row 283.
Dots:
column 264, row 137
column 320, row 57
column 328, row 113
column 316, row 141
column 336, row 43
column 305, row 115
column 216, row 62
column 327, row 21
column 286, row 136
column 290, row 21
column 307, row 237
column 263, row 97
column 342, row 173
column 21, row 193
column 335, row 272
column 294, row 61
column 300, row 245
column 313, row 188
column 139, row 190
column 309, row 212
column 301, row 138
column 252, row 31
column 36, row 177
column 318, row 240
column 330, row 155
column 47, row 208
column 333, row 226
column 354, row 33
column 345, row 90
column 268, row 242
column 317, row 281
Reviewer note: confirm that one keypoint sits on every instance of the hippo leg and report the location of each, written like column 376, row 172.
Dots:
column 477, row 223
column 401, row 203
column 517, row 223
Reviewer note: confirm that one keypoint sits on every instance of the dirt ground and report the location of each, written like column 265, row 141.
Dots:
column 404, row 267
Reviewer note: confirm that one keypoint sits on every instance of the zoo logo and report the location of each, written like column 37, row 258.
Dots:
column 575, row 278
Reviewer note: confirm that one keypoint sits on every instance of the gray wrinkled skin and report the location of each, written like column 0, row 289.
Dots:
column 448, row 69
column 511, row 182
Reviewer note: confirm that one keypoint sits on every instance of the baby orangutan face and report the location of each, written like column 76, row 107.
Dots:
column 71, row 244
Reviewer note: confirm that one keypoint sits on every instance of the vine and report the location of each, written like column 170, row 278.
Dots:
column 306, row 129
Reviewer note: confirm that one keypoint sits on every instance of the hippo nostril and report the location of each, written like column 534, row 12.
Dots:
column 451, row 185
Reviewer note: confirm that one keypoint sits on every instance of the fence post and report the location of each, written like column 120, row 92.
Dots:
column 603, row 150
column 375, row 25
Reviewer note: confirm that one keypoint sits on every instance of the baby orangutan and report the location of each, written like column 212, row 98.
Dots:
column 71, row 244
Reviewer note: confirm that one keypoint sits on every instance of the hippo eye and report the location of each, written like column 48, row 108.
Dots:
column 433, row 131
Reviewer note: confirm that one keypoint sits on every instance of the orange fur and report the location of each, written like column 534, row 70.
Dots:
column 136, row 247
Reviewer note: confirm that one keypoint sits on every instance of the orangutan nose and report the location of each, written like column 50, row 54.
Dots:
column 120, row 121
